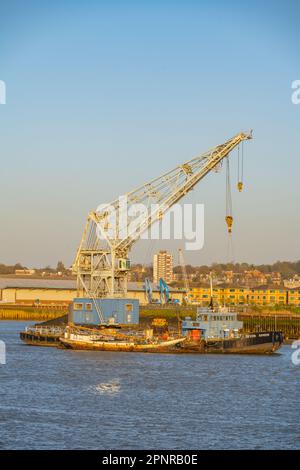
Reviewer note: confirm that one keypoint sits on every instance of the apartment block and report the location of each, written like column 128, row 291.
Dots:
column 163, row 267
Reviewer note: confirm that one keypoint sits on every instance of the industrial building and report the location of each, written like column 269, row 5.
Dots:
column 226, row 295
column 62, row 292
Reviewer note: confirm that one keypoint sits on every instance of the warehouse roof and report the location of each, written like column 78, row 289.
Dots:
column 37, row 283
column 61, row 284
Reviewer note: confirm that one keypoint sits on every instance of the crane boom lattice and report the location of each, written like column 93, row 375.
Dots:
column 101, row 263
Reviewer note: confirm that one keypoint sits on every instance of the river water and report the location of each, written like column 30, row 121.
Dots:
column 63, row 399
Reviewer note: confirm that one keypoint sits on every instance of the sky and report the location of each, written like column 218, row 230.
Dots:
column 102, row 96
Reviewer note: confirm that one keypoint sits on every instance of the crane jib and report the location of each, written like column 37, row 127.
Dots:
column 97, row 260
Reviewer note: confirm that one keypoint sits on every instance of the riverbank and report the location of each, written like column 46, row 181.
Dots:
column 31, row 313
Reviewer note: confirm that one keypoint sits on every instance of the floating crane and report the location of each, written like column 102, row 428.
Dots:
column 102, row 264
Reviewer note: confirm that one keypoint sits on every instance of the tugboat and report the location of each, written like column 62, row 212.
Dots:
column 218, row 330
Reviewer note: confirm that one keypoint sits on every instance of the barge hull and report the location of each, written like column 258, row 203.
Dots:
column 39, row 340
column 252, row 343
column 125, row 347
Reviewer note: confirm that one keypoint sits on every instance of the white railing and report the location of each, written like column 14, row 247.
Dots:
column 45, row 330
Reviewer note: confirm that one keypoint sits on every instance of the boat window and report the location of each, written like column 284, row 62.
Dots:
column 78, row 306
column 88, row 306
column 129, row 307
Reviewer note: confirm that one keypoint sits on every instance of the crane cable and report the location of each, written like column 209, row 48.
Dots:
column 240, row 183
column 228, row 217
column 230, row 254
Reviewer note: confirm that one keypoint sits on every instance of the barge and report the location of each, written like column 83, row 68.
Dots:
column 218, row 330
column 75, row 338
column 40, row 335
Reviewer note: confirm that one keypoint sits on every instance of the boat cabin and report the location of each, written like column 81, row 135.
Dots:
column 95, row 311
column 212, row 324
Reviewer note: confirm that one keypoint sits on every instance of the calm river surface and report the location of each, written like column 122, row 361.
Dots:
column 62, row 399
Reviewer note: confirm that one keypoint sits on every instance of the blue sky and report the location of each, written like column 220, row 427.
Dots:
column 102, row 96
